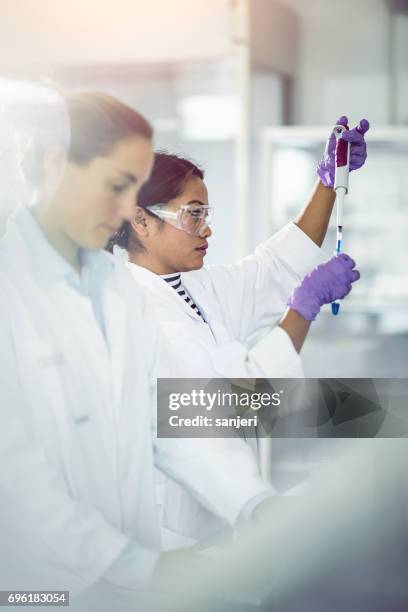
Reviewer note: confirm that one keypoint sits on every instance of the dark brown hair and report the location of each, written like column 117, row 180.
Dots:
column 168, row 178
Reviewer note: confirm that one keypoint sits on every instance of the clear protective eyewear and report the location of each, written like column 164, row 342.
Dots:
column 191, row 218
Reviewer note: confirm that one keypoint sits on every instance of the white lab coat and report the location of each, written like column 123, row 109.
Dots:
column 239, row 302
column 76, row 444
column 76, row 452
column 242, row 304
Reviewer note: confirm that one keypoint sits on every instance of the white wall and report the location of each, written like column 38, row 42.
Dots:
column 274, row 36
column 343, row 66
column 114, row 31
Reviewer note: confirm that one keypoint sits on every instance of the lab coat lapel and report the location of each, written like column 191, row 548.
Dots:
column 200, row 299
column 156, row 285
column 160, row 289
column 203, row 302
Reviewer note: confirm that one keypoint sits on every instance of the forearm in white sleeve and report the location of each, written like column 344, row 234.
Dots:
column 252, row 294
column 222, row 474
column 247, row 511
column 292, row 246
column 272, row 356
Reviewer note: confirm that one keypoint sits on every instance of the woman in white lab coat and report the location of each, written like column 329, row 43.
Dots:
column 77, row 376
column 65, row 466
column 215, row 315
column 219, row 321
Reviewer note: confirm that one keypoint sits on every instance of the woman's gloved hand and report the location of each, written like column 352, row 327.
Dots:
column 328, row 282
column 358, row 151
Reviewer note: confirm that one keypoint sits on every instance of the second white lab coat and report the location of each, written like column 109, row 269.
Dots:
column 76, row 453
column 242, row 304
column 76, row 443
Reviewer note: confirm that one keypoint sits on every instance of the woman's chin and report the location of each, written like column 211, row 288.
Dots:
column 192, row 266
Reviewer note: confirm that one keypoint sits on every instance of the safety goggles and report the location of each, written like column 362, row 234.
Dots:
column 191, row 218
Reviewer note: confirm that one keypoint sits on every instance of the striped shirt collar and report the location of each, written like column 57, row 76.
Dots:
column 174, row 281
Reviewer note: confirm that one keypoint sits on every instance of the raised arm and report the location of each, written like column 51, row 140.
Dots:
column 313, row 220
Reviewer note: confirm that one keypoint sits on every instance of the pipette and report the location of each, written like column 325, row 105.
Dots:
column 341, row 179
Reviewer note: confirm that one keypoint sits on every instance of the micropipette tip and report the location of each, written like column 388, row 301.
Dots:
column 335, row 308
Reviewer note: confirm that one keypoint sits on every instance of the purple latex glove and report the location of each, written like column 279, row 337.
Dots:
column 328, row 282
column 358, row 151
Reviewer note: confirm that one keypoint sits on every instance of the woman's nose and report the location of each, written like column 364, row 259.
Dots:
column 206, row 232
column 127, row 207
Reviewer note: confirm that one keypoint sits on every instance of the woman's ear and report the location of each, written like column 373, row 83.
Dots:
column 139, row 222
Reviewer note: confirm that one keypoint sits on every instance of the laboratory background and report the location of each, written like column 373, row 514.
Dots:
column 250, row 90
